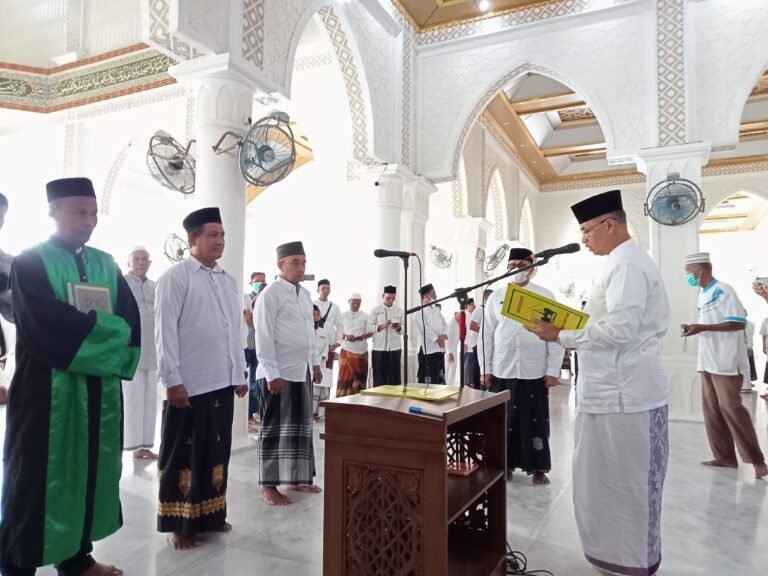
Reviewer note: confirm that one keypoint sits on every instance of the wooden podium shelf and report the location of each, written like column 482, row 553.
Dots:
column 391, row 508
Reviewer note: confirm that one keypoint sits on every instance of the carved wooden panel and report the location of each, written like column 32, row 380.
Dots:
column 382, row 520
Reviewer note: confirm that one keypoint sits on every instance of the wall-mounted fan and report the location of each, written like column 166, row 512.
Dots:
column 170, row 163
column 175, row 248
column 493, row 261
column 674, row 201
column 440, row 257
column 267, row 151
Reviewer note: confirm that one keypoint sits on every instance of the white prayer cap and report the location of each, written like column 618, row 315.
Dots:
column 355, row 296
column 137, row 249
column 698, row 258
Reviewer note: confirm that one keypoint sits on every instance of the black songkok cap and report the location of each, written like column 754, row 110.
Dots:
column 390, row 290
column 69, row 187
column 201, row 218
column 324, row 282
column 519, row 253
column 470, row 301
column 426, row 289
column 290, row 249
column 596, row 206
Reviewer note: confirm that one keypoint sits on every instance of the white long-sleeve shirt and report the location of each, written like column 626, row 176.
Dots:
column 388, row 339
column 620, row 366
column 144, row 293
column 285, row 332
column 332, row 321
column 452, row 344
column 511, row 351
column 435, row 326
column 473, row 337
column 197, row 328
column 354, row 324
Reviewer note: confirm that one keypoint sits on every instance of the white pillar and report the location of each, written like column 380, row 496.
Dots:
column 468, row 236
column 389, row 202
column 669, row 245
column 224, row 103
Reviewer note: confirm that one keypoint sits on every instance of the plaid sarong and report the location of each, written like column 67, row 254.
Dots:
column 353, row 373
column 286, row 452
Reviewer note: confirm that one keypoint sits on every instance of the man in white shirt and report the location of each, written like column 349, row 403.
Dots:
column 432, row 332
column 288, row 366
column 330, row 320
column 749, row 370
column 257, row 284
column 472, row 368
column 621, row 433
column 201, row 364
column 353, row 361
column 721, row 345
column 321, row 391
column 140, row 394
column 451, row 348
column 520, row 362
column 762, row 291
column 385, row 323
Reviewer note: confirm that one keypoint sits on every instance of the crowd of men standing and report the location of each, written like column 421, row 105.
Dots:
column 93, row 343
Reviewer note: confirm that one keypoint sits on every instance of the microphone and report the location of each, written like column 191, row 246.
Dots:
column 386, row 253
column 567, row 249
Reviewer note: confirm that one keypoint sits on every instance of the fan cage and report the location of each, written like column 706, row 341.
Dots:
column 680, row 196
column 170, row 164
column 268, row 151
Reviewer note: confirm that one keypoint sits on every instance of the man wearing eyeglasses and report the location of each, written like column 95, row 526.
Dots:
column 621, row 435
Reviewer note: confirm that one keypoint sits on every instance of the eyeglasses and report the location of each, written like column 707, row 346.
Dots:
column 585, row 233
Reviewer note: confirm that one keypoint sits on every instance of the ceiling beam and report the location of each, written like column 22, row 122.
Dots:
column 714, row 217
column 574, row 150
column 547, row 103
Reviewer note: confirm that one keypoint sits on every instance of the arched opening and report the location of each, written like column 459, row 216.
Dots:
column 525, row 232
column 734, row 232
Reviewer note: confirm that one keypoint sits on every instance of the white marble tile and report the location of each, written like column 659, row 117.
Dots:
column 714, row 521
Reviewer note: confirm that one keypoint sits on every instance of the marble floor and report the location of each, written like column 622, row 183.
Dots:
column 715, row 521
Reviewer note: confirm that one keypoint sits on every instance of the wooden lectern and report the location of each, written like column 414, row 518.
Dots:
column 391, row 509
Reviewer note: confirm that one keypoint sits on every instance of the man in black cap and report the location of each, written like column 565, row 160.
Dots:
column 289, row 364
column 385, row 323
column 330, row 321
column 621, row 439
column 432, row 330
column 78, row 334
column 201, row 364
column 518, row 361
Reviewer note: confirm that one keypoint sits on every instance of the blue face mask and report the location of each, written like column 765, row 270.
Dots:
column 256, row 287
column 693, row 281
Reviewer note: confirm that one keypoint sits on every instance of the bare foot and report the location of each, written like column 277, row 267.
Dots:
column 540, row 478
column 144, row 454
column 719, row 464
column 271, row 496
column 226, row 527
column 102, row 570
column 309, row 489
column 761, row 470
column 180, row 542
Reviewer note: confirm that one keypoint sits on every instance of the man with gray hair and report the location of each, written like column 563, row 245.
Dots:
column 140, row 395
column 721, row 344
column 288, row 365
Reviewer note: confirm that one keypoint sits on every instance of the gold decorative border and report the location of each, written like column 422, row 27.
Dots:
column 192, row 510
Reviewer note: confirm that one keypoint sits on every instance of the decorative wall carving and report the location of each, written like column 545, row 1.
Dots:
column 253, row 32
column 382, row 519
column 670, row 66
column 312, row 61
column 160, row 32
column 134, row 70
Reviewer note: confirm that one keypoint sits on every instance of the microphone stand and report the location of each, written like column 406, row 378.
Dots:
column 405, row 323
column 461, row 295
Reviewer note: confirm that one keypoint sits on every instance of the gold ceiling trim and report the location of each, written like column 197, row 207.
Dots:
column 548, row 103
column 490, row 14
column 304, row 155
column 714, row 217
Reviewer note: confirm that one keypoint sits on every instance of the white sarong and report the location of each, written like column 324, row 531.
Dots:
column 140, row 410
column 619, row 465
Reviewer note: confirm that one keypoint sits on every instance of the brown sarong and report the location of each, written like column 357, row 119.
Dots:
column 353, row 373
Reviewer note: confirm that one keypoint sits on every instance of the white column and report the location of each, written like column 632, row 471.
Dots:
column 413, row 223
column 389, row 202
column 224, row 103
column 468, row 236
column 669, row 246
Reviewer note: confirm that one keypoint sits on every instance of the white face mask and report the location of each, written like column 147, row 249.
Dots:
column 519, row 277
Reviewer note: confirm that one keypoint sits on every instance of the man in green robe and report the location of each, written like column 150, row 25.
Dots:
column 78, row 335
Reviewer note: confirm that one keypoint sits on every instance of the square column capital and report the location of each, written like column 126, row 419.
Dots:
column 685, row 159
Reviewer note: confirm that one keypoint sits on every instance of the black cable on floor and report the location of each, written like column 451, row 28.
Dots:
column 517, row 564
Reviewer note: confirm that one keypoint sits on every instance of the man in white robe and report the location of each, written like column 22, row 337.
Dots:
column 432, row 336
column 330, row 321
column 140, row 394
column 385, row 323
column 353, row 360
column 288, row 366
column 621, row 433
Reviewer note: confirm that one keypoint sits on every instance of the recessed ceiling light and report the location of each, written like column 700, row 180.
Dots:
column 484, row 5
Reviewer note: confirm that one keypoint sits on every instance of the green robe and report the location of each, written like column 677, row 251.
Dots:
column 63, row 436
